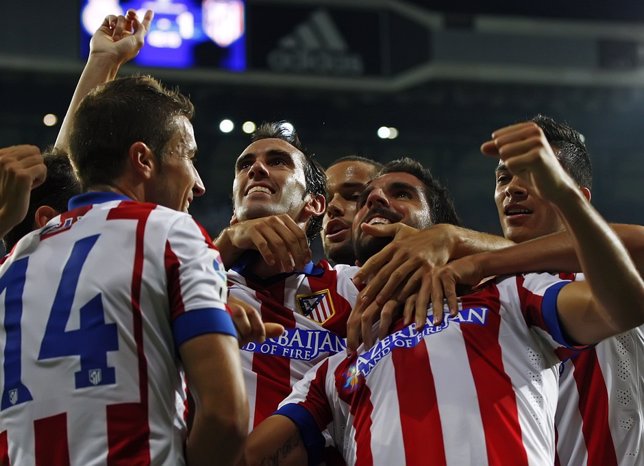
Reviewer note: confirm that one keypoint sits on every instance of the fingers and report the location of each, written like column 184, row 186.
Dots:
column 24, row 164
column 353, row 332
column 390, row 311
column 374, row 264
column 273, row 330
column 422, row 301
column 437, row 300
column 121, row 27
column 142, row 28
column 247, row 321
column 367, row 320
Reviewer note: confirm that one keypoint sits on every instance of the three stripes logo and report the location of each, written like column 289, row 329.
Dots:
column 315, row 46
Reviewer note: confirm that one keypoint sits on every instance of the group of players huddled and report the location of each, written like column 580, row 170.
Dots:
column 130, row 337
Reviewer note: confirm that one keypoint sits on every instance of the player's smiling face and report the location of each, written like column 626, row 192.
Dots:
column 178, row 181
column 522, row 214
column 269, row 180
column 390, row 198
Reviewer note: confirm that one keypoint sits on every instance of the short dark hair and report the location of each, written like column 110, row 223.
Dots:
column 314, row 175
column 438, row 198
column 571, row 149
column 357, row 158
column 59, row 186
column 116, row 115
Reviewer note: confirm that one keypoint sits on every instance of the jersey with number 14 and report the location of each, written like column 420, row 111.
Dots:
column 93, row 308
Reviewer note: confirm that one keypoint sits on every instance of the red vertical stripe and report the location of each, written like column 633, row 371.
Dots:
column 128, row 434
column 171, row 262
column 496, row 398
column 128, row 422
column 273, row 372
column 50, row 434
column 358, row 396
column 593, row 406
column 4, row 450
column 419, row 415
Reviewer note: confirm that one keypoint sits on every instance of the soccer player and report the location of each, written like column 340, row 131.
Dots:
column 599, row 415
column 478, row 386
column 104, row 306
column 346, row 179
column 279, row 200
column 600, row 418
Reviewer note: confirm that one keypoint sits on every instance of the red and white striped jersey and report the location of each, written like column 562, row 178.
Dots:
column 600, row 417
column 313, row 306
column 479, row 389
column 94, row 307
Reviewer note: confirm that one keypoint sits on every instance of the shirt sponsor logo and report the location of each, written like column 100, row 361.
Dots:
column 300, row 344
column 408, row 337
column 317, row 306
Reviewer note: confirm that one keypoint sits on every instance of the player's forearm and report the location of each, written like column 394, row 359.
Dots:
column 613, row 278
column 215, row 440
column 100, row 68
column 469, row 242
column 275, row 442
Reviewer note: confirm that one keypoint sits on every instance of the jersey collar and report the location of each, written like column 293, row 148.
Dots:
column 95, row 197
column 242, row 267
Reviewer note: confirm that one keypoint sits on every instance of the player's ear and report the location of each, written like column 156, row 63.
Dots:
column 142, row 159
column 43, row 214
column 315, row 205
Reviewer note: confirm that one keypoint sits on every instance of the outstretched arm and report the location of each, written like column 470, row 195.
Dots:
column 117, row 41
column 610, row 300
column 404, row 269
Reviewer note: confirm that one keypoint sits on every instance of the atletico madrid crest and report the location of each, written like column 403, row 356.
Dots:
column 317, row 306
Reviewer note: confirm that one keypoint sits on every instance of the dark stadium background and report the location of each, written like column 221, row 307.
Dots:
column 444, row 73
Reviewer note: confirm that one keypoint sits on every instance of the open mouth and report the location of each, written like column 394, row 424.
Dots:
column 259, row 189
column 337, row 230
column 380, row 216
column 514, row 210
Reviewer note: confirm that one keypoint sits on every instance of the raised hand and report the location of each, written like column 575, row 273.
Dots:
column 122, row 37
column 526, row 153
column 280, row 241
column 21, row 169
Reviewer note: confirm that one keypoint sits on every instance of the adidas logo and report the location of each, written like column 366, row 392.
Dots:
column 315, row 46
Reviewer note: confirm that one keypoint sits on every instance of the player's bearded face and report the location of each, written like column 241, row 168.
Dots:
column 366, row 245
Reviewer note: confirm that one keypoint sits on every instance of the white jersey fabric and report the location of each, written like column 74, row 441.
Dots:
column 600, row 417
column 313, row 305
column 479, row 389
column 93, row 308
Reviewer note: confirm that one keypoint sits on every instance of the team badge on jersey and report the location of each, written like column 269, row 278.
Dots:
column 317, row 306
column 13, row 396
column 95, row 376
